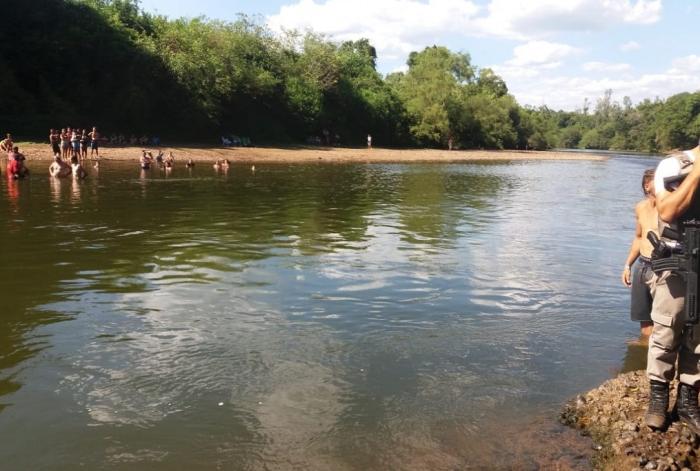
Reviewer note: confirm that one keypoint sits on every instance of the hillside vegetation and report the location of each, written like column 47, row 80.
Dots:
column 106, row 62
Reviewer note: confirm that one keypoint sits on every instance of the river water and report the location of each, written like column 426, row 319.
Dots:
column 311, row 316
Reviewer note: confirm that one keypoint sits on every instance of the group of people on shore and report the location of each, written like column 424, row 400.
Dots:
column 69, row 147
column 73, row 142
column 666, row 220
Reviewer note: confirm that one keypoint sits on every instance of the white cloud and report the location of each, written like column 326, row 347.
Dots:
column 395, row 27
column 515, row 73
column 543, row 54
column 596, row 66
column 686, row 65
column 537, row 18
column 629, row 46
column 568, row 92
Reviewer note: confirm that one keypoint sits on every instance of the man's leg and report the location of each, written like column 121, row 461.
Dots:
column 667, row 314
column 689, row 373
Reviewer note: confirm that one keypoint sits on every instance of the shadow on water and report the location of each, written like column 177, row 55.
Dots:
column 635, row 357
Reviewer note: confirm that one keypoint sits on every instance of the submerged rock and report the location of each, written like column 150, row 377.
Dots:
column 613, row 415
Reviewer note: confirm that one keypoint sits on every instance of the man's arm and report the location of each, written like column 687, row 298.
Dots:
column 672, row 204
column 634, row 251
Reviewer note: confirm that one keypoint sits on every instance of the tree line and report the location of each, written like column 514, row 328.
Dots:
column 130, row 71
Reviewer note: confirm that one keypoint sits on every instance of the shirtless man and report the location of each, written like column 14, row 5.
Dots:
column 7, row 144
column 94, row 142
column 59, row 168
column 638, row 279
column 83, row 144
column 77, row 169
column 54, row 140
column 15, row 164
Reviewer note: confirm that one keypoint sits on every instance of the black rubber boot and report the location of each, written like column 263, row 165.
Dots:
column 657, row 414
column 688, row 410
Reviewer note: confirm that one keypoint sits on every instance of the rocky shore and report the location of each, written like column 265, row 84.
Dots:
column 613, row 416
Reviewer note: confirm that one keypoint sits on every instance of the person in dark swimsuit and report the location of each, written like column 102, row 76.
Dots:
column 145, row 161
column 94, row 142
column 83, row 144
column 54, row 139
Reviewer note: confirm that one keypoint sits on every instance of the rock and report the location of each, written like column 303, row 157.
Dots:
column 631, row 427
column 612, row 415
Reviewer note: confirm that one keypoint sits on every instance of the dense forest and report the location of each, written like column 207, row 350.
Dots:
column 107, row 62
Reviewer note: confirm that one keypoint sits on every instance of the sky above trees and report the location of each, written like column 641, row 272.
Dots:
column 550, row 52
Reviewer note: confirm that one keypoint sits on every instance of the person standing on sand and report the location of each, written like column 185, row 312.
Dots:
column 75, row 143
column 647, row 220
column 94, row 142
column 54, row 140
column 672, row 340
column 83, row 144
column 369, row 141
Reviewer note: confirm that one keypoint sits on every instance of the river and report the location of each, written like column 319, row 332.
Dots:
column 380, row 316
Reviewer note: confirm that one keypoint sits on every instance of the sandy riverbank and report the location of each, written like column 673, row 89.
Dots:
column 35, row 151
column 613, row 415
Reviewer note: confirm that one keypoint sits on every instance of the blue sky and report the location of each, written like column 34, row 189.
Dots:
column 550, row 52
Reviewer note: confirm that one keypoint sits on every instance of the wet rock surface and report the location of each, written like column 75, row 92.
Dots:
column 613, row 416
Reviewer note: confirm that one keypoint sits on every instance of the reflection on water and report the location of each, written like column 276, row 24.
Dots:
column 309, row 316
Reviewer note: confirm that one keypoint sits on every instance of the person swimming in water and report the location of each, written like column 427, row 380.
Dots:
column 145, row 160
column 159, row 158
column 59, row 168
column 169, row 160
column 190, row 163
column 77, row 169
column 15, row 164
